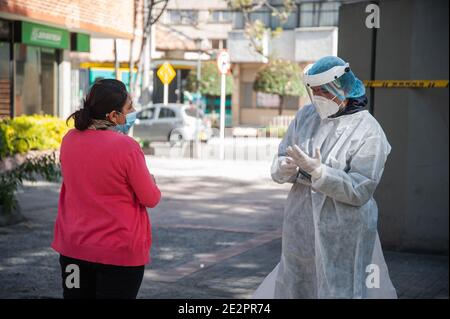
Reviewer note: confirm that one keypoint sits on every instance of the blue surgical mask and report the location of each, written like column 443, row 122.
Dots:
column 130, row 118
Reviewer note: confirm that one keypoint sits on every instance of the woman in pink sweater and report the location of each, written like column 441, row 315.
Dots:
column 102, row 230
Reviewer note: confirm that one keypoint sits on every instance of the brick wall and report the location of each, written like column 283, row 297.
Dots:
column 113, row 18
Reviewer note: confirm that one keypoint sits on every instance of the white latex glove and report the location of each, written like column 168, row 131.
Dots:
column 311, row 165
column 287, row 166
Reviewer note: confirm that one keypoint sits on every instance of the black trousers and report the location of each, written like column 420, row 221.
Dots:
column 86, row 280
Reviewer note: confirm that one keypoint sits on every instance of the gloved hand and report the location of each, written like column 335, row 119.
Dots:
column 311, row 165
column 287, row 166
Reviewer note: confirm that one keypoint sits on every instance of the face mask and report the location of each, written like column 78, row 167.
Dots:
column 325, row 107
column 130, row 118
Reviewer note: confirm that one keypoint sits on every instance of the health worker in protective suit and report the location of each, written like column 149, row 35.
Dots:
column 334, row 154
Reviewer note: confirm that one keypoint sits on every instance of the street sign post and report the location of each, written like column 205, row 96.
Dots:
column 223, row 64
column 166, row 73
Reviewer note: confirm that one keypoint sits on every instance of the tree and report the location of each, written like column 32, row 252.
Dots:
column 210, row 80
column 152, row 11
column 255, row 30
column 280, row 77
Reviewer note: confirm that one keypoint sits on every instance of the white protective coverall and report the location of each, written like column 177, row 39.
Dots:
column 330, row 243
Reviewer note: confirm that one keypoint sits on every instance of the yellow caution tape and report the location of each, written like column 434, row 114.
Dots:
column 419, row 84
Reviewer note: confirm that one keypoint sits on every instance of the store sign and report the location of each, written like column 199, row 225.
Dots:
column 41, row 35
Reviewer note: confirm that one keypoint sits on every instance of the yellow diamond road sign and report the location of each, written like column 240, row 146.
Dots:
column 166, row 73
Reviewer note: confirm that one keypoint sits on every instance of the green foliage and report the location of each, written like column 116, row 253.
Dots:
column 143, row 143
column 280, row 77
column 210, row 80
column 21, row 135
column 36, row 132
column 45, row 166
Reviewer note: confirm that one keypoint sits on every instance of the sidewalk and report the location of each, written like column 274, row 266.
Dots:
column 216, row 234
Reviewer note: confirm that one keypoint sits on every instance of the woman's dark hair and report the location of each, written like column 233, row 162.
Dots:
column 104, row 96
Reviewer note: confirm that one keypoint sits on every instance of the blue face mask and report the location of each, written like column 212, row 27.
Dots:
column 130, row 118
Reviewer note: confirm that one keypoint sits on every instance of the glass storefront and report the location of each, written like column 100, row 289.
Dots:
column 33, row 60
column 35, row 80
column 29, row 58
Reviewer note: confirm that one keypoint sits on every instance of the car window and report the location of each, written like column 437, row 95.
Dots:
column 147, row 114
column 166, row 113
column 194, row 112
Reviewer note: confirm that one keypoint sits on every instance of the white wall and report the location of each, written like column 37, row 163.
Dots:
column 240, row 48
column 313, row 43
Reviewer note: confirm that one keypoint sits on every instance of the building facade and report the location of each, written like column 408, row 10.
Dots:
column 199, row 29
column 40, row 40
column 310, row 33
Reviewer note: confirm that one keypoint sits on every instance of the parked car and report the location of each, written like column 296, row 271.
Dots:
column 172, row 123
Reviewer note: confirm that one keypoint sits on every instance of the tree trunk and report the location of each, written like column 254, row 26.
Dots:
column 280, row 105
column 116, row 61
column 131, row 60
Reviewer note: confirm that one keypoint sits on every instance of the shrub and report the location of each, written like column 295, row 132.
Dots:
column 36, row 132
column 22, row 135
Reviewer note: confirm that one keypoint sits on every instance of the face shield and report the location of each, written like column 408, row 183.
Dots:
column 325, row 90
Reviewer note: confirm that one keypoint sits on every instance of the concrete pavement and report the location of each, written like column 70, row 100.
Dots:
column 216, row 234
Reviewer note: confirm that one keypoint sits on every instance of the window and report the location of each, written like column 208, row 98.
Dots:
column 291, row 102
column 5, row 85
column 246, row 95
column 221, row 16
column 166, row 113
column 267, row 100
column 329, row 14
column 194, row 112
column 183, row 16
column 289, row 24
column 319, row 14
column 305, row 14
column 36, row 82
column 147, row 114
column 4, row 30
column 218, row 44
column 238, row 20
column 263, row 16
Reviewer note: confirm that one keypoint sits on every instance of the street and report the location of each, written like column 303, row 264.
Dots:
column 235, row 148
column 216, row 234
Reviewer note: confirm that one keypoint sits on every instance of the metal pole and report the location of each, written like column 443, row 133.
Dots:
column 166, row 94
column 179, row 86
column 222, row 117
column 199, row 76
column 145, row 92
column 116, row 61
